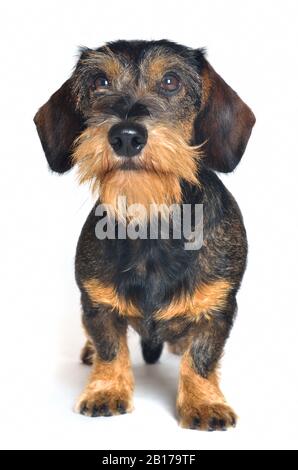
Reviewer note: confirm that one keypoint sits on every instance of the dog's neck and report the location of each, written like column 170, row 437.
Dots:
column 137, row 192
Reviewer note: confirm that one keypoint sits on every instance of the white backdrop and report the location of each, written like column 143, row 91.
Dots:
column 253, row 45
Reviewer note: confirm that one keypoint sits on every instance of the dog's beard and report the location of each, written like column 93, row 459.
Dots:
column 151, row 179
column 150, row 191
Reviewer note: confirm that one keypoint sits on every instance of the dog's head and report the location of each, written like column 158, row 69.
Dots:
column 139, row 117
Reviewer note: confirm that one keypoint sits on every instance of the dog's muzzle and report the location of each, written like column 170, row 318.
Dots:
column 128, row 139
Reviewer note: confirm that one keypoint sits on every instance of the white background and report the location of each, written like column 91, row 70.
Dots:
column 253, row 45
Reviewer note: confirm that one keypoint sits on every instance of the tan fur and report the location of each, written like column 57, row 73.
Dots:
column 139, row 187
column 187, row 126
column 206, row 85
column 110, row 384
column 93, row 155
column 200, row 399
column 165, row 160
column 103, row 294
column 157, row 67
column 168, row 152
column 106, row 61
column 206, row 298
column 180, row 346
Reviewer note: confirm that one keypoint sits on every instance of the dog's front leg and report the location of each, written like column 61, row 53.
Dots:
column 200, row 402
column 110, row 386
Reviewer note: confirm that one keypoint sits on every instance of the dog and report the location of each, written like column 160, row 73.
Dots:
column 152, row 121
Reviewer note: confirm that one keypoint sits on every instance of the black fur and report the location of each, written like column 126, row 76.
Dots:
column 58, row 124
column 210, row 338
column 104, row 327
column 151, row 350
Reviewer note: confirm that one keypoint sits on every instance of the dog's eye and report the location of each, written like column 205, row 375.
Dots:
column 101, row 82
column 170, row 83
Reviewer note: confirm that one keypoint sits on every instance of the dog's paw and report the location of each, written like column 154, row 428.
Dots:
column 87, row 354
column 103, row 403
column 208, row 417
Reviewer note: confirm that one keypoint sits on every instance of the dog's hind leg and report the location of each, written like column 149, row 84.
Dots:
column 87, row 353
column 180, row 346
column 151, row 349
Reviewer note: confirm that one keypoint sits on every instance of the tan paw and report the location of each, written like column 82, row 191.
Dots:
column 104, row 403
column 208, row 416
column 87, row 353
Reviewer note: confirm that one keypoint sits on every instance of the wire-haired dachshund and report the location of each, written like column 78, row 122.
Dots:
column 151, row 122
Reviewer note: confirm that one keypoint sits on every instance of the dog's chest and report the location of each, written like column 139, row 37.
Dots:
column 139, row 278
column 151, row 274
column 150, row 287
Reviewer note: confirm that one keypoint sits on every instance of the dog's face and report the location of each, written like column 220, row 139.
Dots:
column 140, row 117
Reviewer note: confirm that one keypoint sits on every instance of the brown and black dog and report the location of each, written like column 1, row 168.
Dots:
column 151, row 121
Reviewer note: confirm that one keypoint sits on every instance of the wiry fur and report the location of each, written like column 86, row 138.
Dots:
column 152, row 178
column 166, row 293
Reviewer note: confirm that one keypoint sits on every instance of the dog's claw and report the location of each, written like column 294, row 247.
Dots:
column 121, row 408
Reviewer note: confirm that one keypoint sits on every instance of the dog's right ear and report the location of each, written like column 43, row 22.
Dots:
column 58, row 124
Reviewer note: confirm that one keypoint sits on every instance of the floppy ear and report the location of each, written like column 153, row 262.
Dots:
column 58, row 124
column 224, row 122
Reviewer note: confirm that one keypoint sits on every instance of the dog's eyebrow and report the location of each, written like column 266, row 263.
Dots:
column 104, row 59
column 157, row 61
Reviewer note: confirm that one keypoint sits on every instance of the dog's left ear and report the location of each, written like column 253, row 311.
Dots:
column 58, row 124
column 224, row 122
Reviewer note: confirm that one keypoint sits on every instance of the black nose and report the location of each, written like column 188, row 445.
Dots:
column 128, row 139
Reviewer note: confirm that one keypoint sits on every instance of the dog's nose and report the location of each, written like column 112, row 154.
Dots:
column 128, row 139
